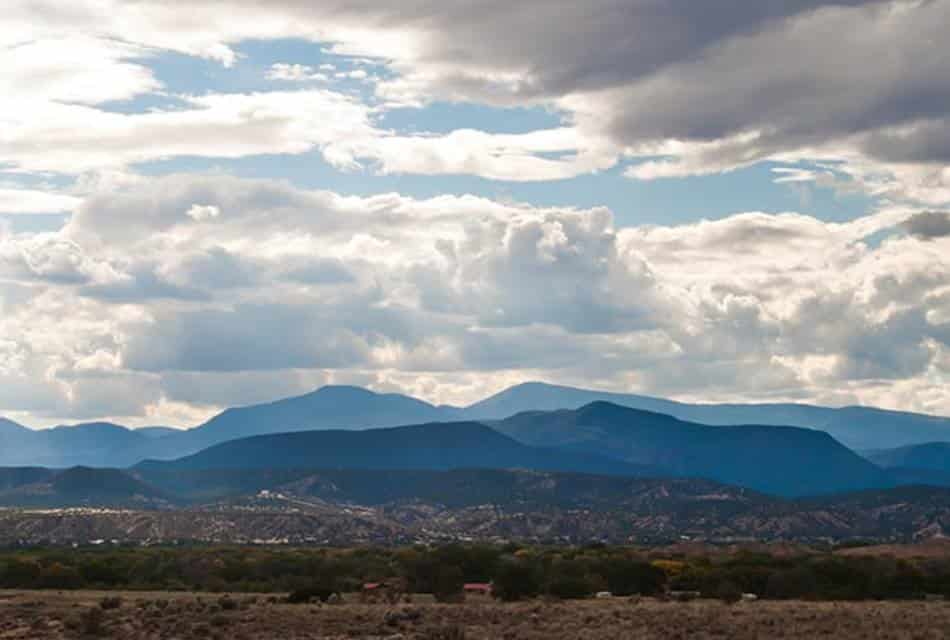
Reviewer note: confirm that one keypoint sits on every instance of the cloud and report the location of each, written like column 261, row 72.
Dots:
column 141, row 283
column 203, row 213
column 71, row 138
column 162, row 283
column 455, row 296
column 928, row 225
column 215, row 389
column 248, row 338
column 627, row 76
column 514, row 157
column 73, row 69
column 32, row 201
column 51, row 258
column 295, row 73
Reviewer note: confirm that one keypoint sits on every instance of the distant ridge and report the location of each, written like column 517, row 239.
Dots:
column 9, row 427
column 355, row 408
column 433, row 446
column 327, row 408
column 789, row 461
column 855, row 427
column 600, row 438
column 930, row 456
column 77, row 486
column 90, row 443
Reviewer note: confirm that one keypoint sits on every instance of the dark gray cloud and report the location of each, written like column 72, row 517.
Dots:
column 743, row 81
column 928, row 225
column 754, row 78
column 795, row 73
column 565, row 46
column 894, row 349
column 803, row 83
column 925, row 141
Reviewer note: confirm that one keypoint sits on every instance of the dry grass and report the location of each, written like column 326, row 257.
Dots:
column 162, row 616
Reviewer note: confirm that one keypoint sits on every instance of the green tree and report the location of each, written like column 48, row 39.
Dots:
column 568, row 579
column 516, row 579
column 795, row 583
column 448, row 583
column 626, row 576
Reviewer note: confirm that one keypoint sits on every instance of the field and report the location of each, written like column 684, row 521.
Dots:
column 161, row 615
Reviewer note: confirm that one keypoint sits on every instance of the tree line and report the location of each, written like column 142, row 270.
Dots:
column 515, row 571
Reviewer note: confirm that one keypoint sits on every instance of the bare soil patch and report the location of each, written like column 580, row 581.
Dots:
column 163, row 616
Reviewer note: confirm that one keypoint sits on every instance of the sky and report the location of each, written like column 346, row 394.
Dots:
column 708, row 201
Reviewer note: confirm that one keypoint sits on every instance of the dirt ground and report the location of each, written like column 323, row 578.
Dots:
column 166, row 616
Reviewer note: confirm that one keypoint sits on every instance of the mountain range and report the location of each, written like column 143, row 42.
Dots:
column 91, row 443
column 932, row 456
column 599, row 472
column 779, row 460
column 349, row 428
column 599, row 438
column 855, row 427
column 435, row 446
column 354, row 408
column 924, row 464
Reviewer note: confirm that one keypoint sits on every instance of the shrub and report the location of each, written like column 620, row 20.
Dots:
column 628, row 576
column 516, row 580
column 798, row 582
column 448, row 584
column 309, row 594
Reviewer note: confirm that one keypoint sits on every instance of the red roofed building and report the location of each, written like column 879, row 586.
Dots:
column 477, row 588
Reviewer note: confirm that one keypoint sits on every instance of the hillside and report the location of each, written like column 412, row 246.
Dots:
column 9, row 428
column 403, row 507
column 930, row 456
column 94, row 443
column 436, row 446
column 15, row 477
column 856, row 427
column 521, row 489
column 457, row 488
column 157, row 432
column 907, row 476
column 105, row 444
column 78, row 486
column 330, row 407
column 779, row 460
column 327, row 408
